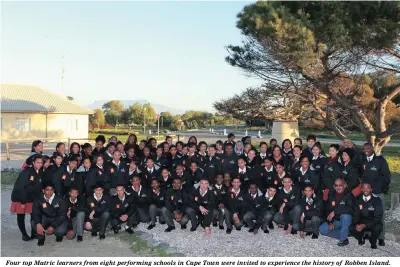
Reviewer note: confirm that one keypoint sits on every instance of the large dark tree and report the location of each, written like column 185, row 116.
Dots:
column 324, row 54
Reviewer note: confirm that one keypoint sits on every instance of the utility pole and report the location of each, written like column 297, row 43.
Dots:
column 144, row 121
column 62, row 74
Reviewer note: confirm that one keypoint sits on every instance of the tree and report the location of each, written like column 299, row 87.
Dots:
column 150, row 114
column 97, row 118
column 167, row 119
column 320, row 52
column 113, row 105
column 133, row 115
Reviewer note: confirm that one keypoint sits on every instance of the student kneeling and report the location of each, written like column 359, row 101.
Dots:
column 368, row 214
column 311, row 207
column 75, row 214
column 99, row 216
column 49, row 215
column 122, row 210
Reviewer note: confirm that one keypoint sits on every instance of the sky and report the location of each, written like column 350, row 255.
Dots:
column 170, row 53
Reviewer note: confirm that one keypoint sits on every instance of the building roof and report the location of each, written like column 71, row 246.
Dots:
column 27, row 98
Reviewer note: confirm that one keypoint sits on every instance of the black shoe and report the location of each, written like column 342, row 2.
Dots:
column 59, row 239
column 286, row 227
column 119, row 227
column 221, row 227
column 40, row 242
column 308, row 234
column 361, row 241
column 129, row 231
column 163, row 222
column 343, row 243
column 183, row 227
column 192, row 229
column 314, row 236
column 102, row 236
column 33, row 236
column 245, row 225
column 26, row 238
column 374, row 246
column 169, row 229
column 151, row 226
column 116, row 230
column 266, row 231
column 94, row 233
column 271, row 225
column 215, row 224
column 256, row 231
column 134, row 226
column 79, row 238
column 381, row 242
column 293, row 232
column 251, row 230
column 228, row 231
column 238, row 229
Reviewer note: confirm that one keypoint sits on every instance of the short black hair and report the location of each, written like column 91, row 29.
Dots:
column 336, row 146
column 311, row 137
column 301, row 140
column 100, row 138
column 231, row 135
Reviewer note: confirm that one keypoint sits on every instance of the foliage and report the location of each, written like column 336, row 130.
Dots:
column 97, row 118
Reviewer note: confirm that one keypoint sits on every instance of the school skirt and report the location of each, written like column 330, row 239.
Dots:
column 16, row 207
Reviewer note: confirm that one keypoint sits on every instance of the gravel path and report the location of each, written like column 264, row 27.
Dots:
column 275, row 244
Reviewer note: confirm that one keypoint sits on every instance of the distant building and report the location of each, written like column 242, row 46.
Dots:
column 32, row 112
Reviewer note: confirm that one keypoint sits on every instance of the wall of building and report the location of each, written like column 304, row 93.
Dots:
column 33, row 126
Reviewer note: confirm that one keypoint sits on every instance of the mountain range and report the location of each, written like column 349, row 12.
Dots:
column 158, row 108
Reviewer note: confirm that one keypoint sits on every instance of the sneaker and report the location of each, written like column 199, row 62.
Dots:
column 381, row 242
column 343, row 243
column 26, row 238
column 169, row 229
column 94, row 233
column 183, row 227
column 266, row 231
column 129, row 231
column 228, row 231
column 79, row 238
column 59, row 239
column 151, row 226
column 314, row 236
column 102, row 236
column 221, row 227
column 40, row 242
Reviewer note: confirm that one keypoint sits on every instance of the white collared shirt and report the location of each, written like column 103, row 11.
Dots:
column 367, row 198
column 283, row 175
column 99, row 166
column 236, row 193
column 268, row 197
column 243, row 171
column 253, row 196
column 165, row 178
column 97, row 199
column 140, row 189
column 154, row 191
column 117, row 164
column 287, row 192
column 123, row 199
column 50, row 199
column 263, row 155
column 370, row 158
column 315, row 157
column 69, row 169
column 303, row 172
column 130, row 171
column 73, row 202
column 150, row 170
column 203, row 193
column 218, row 186
column 270, row 170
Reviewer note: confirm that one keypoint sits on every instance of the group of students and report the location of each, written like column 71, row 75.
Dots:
column 228, row 184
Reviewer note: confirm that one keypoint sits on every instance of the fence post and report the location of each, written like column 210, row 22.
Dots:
column 8, row 151
column 69, row 144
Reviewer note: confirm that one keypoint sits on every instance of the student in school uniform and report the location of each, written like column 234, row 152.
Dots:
column 271, row 206
column 56, row 163
column 152, row 144
column 108, row 154
column 60, row 148
column 278, row 156
column 267, row 175
column 245, row 174
column 332, row 170
column 192, row 156
column 311, row 212
column 174, row 209
column 368, row 213
column 157, row 202
column 150, row 172
column 131, row 156
column 340, row 208
column 49, row 215
column 221, row 193
column 298, row 142
column 311, row 140
column 192, row 139
column 349, row 171
column 97, row 175
column 280, row 173
column 287, row 148
column 179, row 148
column 263, row 154
column 272, row 143
column 27, row 188
column 229, row 161
column 251, row 161
column 140, row 151
column 295, row 162
column 36, row 149
column 140, row 196
column 318, row 161
column 183, row 175
column 376, row 172
column 358, row 154
column 117, row 172
column 174, row 159
column 202, row 151
column 146, row 155
column 231, row 137
column 113, row 139
column 99, row 149
column 227, row 179
column 76, row 213
column 289, row 211
column 122, row 209
column 307, row 175
column 87, row 152
column 195, row 174
column 212, row 164
column 131, row 143
column 254, row 201
column 81, row 175
column 75, row 151
column 65, row 177
column 98, row 218
column 134, row 170
column 165, row 179
column 121, row 148
column 220, row 148
column 239, row 148
column 236, row 207
column 159, row 159
column 203, row 205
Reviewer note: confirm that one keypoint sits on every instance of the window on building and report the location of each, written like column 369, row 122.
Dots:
column 23, row 125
